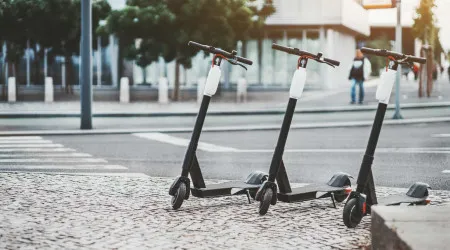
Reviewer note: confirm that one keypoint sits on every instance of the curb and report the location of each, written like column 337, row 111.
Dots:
column 277, row 111
column 223, row 128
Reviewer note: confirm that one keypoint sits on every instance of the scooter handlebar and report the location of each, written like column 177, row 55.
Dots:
column 397, row 56
column 224, row 53
column 298, row 52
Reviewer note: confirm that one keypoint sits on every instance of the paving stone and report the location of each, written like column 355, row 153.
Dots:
column 113, row 212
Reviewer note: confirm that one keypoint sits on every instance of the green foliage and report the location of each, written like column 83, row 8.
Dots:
column 54, row 24
column 424, row 27
column 147, row 21
column 261, row 13
column 381, row 42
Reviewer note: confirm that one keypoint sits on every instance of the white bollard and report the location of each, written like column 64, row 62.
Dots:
column 124, row 90
column 200, row 87
column 48, row 89
column 241, row 92
column 163, row 90
column 11, row 89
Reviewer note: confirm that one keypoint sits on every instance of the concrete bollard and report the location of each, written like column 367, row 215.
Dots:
column 241, row 92
column 11, row 89
column 200, row 88
column 48, row 89
column 124, row 90
column 163, row 90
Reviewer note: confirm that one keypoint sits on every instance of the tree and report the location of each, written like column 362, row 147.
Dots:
column 145, row 21
column 424, row 29
column 217, row 22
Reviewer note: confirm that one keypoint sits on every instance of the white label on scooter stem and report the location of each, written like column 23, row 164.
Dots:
column 385, row 88
column 298, row 83
column 212, row 82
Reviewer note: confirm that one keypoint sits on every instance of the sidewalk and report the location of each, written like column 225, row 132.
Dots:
column 116, row 212
column 312, row 101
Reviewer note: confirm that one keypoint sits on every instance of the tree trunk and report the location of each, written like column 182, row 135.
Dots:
column 144, row 75
column 37, row 67
column 430, row 64
column 69, row 73
column 260, row 45
column 176, row 88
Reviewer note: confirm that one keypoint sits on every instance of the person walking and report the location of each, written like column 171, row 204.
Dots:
column 359, row 72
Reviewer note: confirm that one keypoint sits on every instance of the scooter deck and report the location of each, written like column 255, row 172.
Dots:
column 397, row 199
column 221, row 189
column 308, row 192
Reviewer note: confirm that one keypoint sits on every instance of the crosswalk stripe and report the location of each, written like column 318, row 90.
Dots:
column 36, row 150
column 32, row 146
column 65, row 167
column 25, row 141
column 184, row 142
column 40, row 155
column 20, row 138
column 52, row 160
column 446, row 172
column 140, row 175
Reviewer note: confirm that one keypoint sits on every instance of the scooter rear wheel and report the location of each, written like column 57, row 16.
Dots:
column 265, row 201
column 178, row 198
column 352, row 214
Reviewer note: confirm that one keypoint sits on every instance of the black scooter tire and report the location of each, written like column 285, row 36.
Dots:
column 178, row 198
column 265, row 201
column 352, row 215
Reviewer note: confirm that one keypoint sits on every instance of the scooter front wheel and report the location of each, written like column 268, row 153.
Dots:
column 352, row 213
column 265, row 201
column 178, row 198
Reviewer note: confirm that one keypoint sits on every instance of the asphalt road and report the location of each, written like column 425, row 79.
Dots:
column 22, row 124
column 406, row 153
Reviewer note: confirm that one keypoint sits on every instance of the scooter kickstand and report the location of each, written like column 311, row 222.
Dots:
column 248, row 196
column 332, row 199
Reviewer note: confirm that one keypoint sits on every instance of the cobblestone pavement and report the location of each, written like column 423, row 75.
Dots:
column 116, row 212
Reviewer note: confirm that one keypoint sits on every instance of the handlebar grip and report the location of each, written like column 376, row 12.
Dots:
column 282, row 48
column 335, row 63
column 370, row 51
column 198, row 45
column 244, row 60
column 420, row 60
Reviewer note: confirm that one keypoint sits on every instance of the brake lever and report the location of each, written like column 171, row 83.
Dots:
column 321, row 61
column 235, row 62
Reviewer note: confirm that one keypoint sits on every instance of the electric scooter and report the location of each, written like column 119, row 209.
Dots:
column 180, row 188
column 360, row 201
column 337, row 188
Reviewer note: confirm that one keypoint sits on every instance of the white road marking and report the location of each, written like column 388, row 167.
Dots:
column 32, row 146
column 25, row 141
column 184, row 142
column 165, row 138
column 440, row 135
column 446, row 172
column 355, row 150
column 52, row 160
column 36, row 150
column 66, row 167
column 34, row 155
column 20, row 138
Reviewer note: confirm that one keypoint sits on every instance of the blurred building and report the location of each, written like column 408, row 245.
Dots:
column 333, row 27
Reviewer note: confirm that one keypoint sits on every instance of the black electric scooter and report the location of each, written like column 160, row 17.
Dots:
column 337, row 188
column 360, row 201
column 180, row 188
